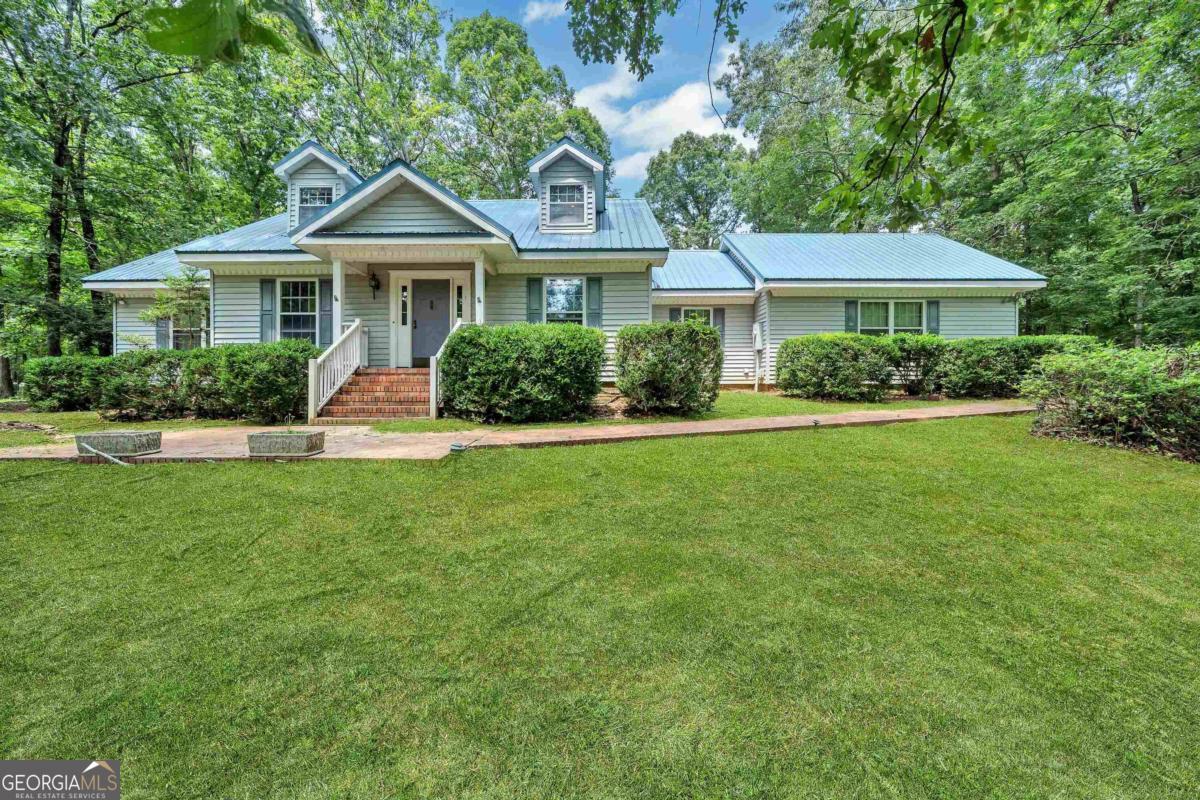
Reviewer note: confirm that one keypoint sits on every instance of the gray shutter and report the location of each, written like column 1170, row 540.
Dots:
column 162, row 334
column 325, row 312
column 266, row 308
column 674, row 313
column 851, row 316
column 533, row 299
column 933, row 316
column 718, row 321
column 595, row 303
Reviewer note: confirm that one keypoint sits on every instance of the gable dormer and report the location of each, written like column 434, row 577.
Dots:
column 315, row 177
column 569, row 182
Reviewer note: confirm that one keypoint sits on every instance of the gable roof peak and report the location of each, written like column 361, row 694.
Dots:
column 312, row 149
column 566, row 143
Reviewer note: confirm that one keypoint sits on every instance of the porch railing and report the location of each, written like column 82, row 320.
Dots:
column 435, row 376
column 329, row 372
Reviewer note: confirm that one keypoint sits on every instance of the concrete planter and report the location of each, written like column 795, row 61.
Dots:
column 119, row 443
column 286, row 444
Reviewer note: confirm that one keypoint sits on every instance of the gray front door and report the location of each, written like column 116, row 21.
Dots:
column 430, row 319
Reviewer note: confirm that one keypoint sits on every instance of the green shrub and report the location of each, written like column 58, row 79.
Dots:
column 521, row 372
column 836, row 366
column 919, row 356
column 201, row 391
column 1134, row 398
column 64, row 383
column 143, row 384
column 267, row 382
column 670, row 367
column 994, row 367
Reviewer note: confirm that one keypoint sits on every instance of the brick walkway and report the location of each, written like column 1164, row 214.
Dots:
column 347, row 441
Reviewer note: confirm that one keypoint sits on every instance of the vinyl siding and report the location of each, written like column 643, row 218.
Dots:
column 978, row 316
column 406, row 209
column 738, row 344
column 568, row 169
column 314, row 173
column 128, row 323
column 236, row 309
column 626, row 302
column 762, row 318
column 375, row 314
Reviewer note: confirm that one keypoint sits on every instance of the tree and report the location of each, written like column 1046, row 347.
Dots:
column 185, row 298
column 690, row 188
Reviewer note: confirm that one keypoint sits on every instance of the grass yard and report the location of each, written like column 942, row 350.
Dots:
column 70, row 422
column 948, row 609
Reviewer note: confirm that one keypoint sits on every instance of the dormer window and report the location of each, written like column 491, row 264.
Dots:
column 566, row 204
column 312, row 200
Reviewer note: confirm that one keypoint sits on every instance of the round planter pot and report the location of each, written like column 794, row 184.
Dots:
column 285, row 444
column 119, row 443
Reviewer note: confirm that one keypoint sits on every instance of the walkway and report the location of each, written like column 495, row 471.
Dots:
column 361, row 442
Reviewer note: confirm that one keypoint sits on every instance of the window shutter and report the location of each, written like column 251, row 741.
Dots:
column 162, row 334
column 674, row 313
column 595, row 303
column 533, row 299
column 718, row 320
column 851, row 316
column 266, row 306
column 933, row 316
column 325, row 312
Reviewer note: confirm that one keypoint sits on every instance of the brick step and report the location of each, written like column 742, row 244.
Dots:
column 378, row 400
column 376, row 409
column 393, row 371
column 390, row 379
column 385, row 387
column 364, row 420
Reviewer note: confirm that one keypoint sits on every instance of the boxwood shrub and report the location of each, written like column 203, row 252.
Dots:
column 521, row 372
column 836, row 366
column 672, row 367
column 1134, row 398
column 64, row 383
column 144, row 384
column 918, row 359
column 267, row 382
column 994, row 367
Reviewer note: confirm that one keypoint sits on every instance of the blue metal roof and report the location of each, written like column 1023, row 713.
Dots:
column 700, row 269
column 151, row 268
column 868, row 257
column 324, row 151
column 268, row 235
column 625, row 225
column 587, row 151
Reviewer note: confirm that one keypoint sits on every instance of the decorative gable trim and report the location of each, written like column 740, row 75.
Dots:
column 564, row 146
column 311, row 150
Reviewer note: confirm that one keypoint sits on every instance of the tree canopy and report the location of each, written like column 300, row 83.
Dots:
column 690, row 188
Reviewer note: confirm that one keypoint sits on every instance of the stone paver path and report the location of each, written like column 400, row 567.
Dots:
column 360, row 442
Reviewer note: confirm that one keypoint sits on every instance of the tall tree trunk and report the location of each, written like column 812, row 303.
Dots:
column 55, row 222
column 6, row 380
column 87, row 227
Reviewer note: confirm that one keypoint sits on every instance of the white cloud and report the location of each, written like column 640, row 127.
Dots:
column 599, row 97
column 541, row 10
column 633, row 166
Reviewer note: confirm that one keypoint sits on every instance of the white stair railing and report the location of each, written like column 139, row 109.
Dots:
column 435, row 382
column 329, row 372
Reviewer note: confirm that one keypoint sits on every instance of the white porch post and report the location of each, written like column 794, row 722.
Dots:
column 339, row 289
column 478, row 287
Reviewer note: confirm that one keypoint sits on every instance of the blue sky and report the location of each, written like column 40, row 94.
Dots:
column 640, row 118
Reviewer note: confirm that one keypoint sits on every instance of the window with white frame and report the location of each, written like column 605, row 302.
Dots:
column 189, row 329
column 312, row 200
column 298, row 310
column 883, row 317
column 702, row 314
column 565, row 300
column 566, row 205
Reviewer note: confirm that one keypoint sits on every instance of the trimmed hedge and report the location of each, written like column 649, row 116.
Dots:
column 521, row 372
column 985, row 367
column 836, row 366
column 672, row 367
column 266, row 382
column 1131, row 398
column 918, row 359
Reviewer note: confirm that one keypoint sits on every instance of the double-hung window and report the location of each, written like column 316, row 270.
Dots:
column 564, row 300
column 882, row 317
column 312, row 200
column 298, row 310
column 189, row 329
column 702, row 314
column 566, row 204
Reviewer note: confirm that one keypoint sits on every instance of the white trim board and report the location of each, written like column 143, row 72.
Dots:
column 563, row 148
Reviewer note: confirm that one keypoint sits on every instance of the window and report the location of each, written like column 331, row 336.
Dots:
column 566, row 204
column 312, row 200
column 189, row 329
column 298, row 310
column 702, row 314
column 458, row 301
column 881, row 317
column 564, row 300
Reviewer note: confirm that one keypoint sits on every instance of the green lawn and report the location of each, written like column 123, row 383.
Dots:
column 68, row 422
column 948, row 609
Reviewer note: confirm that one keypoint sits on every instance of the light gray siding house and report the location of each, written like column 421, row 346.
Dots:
column 379, row 270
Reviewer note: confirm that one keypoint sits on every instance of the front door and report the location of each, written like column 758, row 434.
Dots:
column 430, row 318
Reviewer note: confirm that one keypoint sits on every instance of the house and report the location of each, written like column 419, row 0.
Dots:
column 388, row 265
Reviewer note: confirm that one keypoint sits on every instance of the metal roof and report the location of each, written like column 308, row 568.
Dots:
column 868, row 257
column 268, row 235
column 151, row 268
column 700, row 269
column 325, row 151
column 625, row 225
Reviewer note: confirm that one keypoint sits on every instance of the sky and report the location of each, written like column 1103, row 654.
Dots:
column 640, row 118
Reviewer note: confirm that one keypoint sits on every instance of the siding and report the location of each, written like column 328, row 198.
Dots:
column 738, row 345
column 128, row 323
column 406, row 209
column 568, row 169
column 314, row 173
column 978, row 316
column 375, row 314
column 626, row 302
column 762, row 319
column 235, row 309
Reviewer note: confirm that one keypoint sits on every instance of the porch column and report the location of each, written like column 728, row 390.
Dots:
column 339, row 289
column 478, row 286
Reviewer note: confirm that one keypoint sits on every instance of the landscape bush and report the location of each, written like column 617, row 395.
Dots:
column 521, row 372
column 1132, row 398
column 669, row 367
column 143, row 384
column 836, row 366
column 995, row 367
column 63, row 383
column 267, row 382
column 918, row 359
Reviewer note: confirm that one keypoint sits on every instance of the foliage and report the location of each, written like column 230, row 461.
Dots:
column 689, row 186
column 184, row 298
column 143, row 384
column 64, row 383
column 669, row 367
column 919, row 356
column 1133, row 398
column 521, row 372
column 218, row 31
column 266, row 382
column 995, row 367
column 836, row 366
